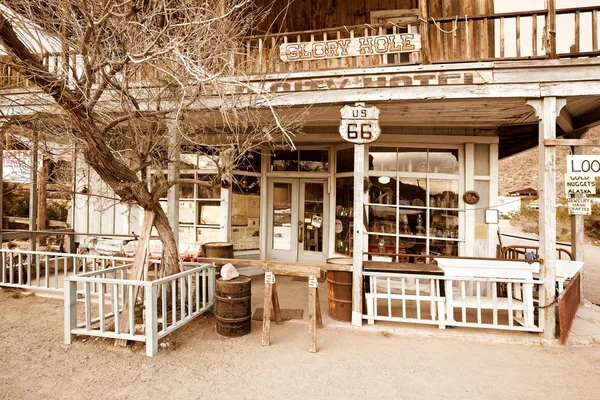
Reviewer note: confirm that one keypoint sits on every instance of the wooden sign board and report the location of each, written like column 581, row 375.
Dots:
column 355, row 47
column 580, row 206
column 360, row 125
column 583, row 165
column 580, row 184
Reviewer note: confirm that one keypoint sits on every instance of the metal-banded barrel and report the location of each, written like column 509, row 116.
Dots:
column 339, row 291
column 232, row 306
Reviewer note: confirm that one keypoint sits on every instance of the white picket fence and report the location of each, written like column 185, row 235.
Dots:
column 435, row 300
column 160, row 306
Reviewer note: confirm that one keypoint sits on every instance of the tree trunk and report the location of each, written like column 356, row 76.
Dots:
column 170, row 254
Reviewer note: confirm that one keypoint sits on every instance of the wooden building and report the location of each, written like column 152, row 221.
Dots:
column 481, row 86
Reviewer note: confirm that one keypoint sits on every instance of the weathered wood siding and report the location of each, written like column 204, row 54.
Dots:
column 302, row 15
column 474, row 39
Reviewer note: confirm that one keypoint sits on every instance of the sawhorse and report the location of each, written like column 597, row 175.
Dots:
column 271, row 301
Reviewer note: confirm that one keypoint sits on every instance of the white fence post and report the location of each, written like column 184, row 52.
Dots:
column 70, row 310
column 151, row 321
column 211, row 285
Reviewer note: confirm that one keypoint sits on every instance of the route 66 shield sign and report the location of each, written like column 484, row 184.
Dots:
column 360, row 124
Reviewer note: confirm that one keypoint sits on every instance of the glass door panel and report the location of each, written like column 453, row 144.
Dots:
column 282, row 216
column 314, row 221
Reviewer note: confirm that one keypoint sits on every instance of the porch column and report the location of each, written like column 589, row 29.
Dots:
column 173, row 174
column 2, row 147
column 358, row 248
column 33, row 200
column 547, row 110
column 578, row 234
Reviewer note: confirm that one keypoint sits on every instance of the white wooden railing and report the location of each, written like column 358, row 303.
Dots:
column 160, row 306
column 491, row 303
column 46, row 271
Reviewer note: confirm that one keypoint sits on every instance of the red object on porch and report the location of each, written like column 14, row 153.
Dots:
column 568, row 304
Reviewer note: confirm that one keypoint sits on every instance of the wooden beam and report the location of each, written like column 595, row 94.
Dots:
column 33, row 194
column 357, row 276
column 572, row 142
column 578, row 236
column 42, row 198
column 424, row 31
column 565, row 121
column 587, row 120
column 266, row 327
column 312, row 316
column 546, row 110
column 551, row 29
column 276, row 308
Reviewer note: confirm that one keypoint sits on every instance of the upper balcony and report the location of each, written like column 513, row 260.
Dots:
column 515, row 36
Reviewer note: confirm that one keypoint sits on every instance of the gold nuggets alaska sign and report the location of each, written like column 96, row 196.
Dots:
column 360, row 124
column 355, row 47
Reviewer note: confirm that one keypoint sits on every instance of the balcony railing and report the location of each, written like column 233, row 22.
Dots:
column 493, row 37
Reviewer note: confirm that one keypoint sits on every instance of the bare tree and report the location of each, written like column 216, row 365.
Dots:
column 121, row 77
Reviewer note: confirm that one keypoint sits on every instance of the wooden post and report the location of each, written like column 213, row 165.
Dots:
column 578, row 235
column 1, row 187
column 424, row 31
column 33, row 200
column 150, row 301
column 357, row 272
column 42, row 191
column 137, row 271
column 173, row 174
column 551, row 29
column 266, row 330
column 276, row 309
column 319, row 316
column 70, row 310
column 312, row 313
column 547, row 110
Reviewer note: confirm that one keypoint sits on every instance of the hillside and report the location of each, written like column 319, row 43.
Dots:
column 521, row 170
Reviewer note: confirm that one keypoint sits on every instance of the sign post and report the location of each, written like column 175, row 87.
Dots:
column 359, row 125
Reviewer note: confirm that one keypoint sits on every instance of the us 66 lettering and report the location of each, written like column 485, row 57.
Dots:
column 362, row 131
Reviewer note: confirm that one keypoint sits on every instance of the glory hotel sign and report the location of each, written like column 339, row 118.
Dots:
column 355, row 47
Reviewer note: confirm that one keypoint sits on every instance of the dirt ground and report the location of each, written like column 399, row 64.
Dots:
column 350, row 364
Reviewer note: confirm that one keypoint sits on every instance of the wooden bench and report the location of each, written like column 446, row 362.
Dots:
column 519, row 298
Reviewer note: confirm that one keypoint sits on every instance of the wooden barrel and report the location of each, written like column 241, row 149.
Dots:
column 339, row 290
column 232, row 306
column 218, row 250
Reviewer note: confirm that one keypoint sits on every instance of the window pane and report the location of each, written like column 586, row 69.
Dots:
column 314, row 160
column 382, row 190
column 412, row 160
column 245, row 212
column 209, row 212
column 313, row 217
column 444, row 224
column 382, row 158
column 344, row 197
column 282, row 216
column 210, row 188
column 382, row 219
column 482, row 159
column 345, row 160
column 443, row 193
column 443, row 161
column 411, row 222
column 283, row 160
column 443, row 248
column 186, row 190
column 250, row 161
column 413, row 192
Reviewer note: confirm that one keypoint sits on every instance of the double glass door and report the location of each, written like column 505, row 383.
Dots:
column 298, row 220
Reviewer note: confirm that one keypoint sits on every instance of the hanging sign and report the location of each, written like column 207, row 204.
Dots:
column 355, row 47
column 360, row 124
column 16, row 165
column 583, row 165
column 580, row 184
column 580, row 206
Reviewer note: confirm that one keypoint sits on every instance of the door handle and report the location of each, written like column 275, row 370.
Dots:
column 300, row 234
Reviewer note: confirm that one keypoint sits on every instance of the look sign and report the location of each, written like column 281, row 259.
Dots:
column 360, row 124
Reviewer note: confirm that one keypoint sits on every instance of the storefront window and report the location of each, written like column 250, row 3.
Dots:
column 302, row 160
column 245, row 213
column 343, row 215
column 413, row 202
